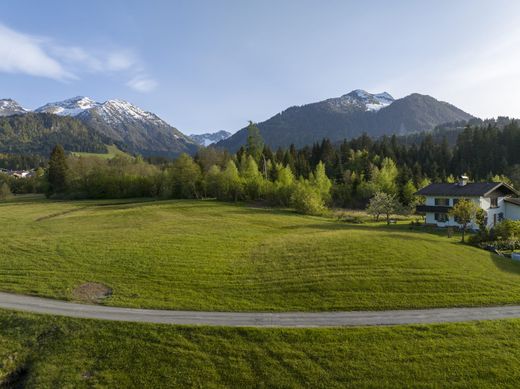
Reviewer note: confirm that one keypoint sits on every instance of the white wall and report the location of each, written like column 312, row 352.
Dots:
column 512, row 211
column 482, row 202
column 491, row 212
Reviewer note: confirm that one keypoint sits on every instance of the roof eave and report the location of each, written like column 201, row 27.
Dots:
column 498, row 185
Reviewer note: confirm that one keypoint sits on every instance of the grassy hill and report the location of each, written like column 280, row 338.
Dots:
column 41, row 352
column 111, row 152
column 205, row 255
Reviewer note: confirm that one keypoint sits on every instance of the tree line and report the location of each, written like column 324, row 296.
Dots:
column 211, row 174
column 347, row 174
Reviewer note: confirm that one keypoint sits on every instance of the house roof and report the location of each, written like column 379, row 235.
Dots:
column 470, row 189
column 512, row 200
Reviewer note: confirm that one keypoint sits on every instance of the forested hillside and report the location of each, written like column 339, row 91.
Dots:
column 348, row 117
column 357, row 169
column 38, row 133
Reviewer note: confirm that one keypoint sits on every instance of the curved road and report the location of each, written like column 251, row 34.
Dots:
column 256, row 319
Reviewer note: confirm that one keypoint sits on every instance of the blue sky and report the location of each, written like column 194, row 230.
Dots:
column 213, row 65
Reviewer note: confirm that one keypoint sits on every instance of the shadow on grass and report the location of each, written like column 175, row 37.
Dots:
column 505, row 264
column 331, row 225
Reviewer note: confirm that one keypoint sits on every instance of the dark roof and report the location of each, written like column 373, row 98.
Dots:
column 470, row 189
column 512, row 201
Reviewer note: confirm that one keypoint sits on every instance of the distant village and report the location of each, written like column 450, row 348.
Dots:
column 18, row 173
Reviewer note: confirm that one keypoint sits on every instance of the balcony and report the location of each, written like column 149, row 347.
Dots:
column 432, row 208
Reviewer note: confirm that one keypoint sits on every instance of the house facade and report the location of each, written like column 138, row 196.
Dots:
column 498, row 200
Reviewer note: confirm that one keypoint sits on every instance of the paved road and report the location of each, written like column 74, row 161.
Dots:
column 257, row 319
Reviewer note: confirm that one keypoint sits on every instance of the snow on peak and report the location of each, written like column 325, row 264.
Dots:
column 210, row 137
column 113, row 111
column 120, row 110
column 70, row 107
column 371, row 102
column 10, row 107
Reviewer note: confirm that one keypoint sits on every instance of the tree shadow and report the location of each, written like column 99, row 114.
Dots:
column 505, row 264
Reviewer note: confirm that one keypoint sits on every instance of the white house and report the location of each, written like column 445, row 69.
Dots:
column 497, row 199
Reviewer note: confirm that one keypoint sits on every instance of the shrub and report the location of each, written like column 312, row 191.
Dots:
column 5, row 191
column 306, row 199
column 507, row 230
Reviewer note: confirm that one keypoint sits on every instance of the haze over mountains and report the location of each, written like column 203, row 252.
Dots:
column 94, row 124
column 349, row 116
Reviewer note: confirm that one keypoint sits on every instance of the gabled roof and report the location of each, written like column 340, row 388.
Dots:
column 512, row 201
column 470, row 189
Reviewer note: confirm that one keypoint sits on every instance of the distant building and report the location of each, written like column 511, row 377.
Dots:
column 497, row 199
column 18, row 173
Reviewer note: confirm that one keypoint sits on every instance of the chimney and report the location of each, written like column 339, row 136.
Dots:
column 463, row 180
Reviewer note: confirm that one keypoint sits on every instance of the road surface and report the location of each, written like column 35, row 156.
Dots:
column 256, row 319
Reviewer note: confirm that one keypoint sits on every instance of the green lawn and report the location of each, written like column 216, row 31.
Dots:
column 112, row 151
column 206, row 255
column 47, row 352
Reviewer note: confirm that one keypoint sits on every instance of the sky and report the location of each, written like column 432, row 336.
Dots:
column 205, row 66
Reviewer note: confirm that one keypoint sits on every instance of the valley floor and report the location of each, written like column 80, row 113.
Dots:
column 205, row 255
column 219, row 257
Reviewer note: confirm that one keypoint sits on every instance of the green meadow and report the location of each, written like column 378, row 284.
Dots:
column 50, row 352
column 112, row 152
column 207, row 255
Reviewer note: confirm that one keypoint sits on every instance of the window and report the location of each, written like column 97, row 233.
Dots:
column 455, row 201
column 441, row 217
column 494, row 202
column 442, row 202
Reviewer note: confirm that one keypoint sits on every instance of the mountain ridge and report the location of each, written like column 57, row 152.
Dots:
column 210, row 138
column 121, row 123
column 349, row 116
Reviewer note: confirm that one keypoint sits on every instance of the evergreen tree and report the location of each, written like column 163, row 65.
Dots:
column 58, row 171
column 408, row 197
column 255, row 143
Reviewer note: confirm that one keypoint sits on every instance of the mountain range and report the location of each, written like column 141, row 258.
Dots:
column 112, row 122
column 349, row 116
column 82, row 124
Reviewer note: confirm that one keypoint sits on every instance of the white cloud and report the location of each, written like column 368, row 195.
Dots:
column 43, row 57
column 142, row 83
column 121, row 60
column 20, row 53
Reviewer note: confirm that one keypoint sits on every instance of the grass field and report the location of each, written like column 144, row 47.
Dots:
column 206, row 255
column 112, row 151
column 47, row 352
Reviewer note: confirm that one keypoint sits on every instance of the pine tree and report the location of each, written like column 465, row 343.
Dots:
column 58, row 171
column 255, row 143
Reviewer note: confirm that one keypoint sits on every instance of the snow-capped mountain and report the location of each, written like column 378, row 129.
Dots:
column 125, row 124
column 349, row 116
column 360, row 99
column 10, row 107
column 210, row 137
column 69, row 107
